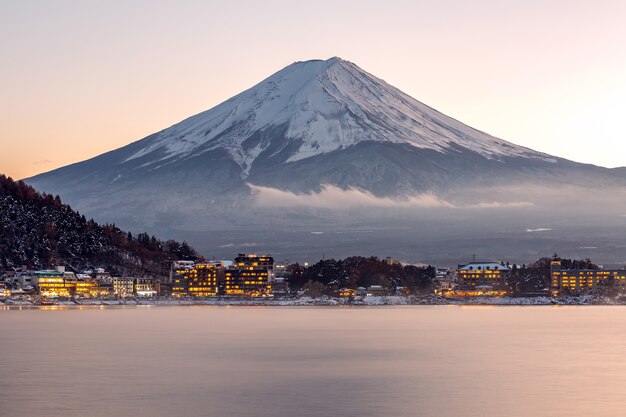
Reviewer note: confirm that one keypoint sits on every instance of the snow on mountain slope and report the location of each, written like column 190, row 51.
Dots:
column 326, row 106
column 325, row 146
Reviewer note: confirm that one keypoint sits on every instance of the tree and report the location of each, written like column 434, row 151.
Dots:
column 39, row 231
column 314, row 289
column 295, row 275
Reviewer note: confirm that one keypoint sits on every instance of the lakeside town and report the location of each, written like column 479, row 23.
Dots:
column 251, row 279
column 51, row 254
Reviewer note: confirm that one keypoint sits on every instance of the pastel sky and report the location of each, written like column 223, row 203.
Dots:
column 79, row 78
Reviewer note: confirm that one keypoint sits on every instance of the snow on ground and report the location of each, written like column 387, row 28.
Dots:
column 330, row 301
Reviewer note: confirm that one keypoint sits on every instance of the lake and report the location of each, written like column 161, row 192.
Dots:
column 296, row 361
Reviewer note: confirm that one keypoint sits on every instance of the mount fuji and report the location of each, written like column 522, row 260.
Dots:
column 321, row 155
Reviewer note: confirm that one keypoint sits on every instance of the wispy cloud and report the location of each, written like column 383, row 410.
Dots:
column 539, row 229
column 335, row 198
column 241, row 245
column 332, row 197
column 498, row 204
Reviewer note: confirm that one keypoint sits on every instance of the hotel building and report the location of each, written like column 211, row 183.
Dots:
column 481, row 279
column 576, row 281
column 123, row 287
column 198, row 280
column 91, row 287
column 55, row 283
column 86, row 287
column 250, row 275
column 144, row 287
column 178, row 266
column 203, row 281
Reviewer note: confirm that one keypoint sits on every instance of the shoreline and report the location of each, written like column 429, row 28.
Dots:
column 329, row 302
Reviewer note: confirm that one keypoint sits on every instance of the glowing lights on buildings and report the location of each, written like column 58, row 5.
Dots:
column 575, row 281
column 249, row 275
column 480, row 279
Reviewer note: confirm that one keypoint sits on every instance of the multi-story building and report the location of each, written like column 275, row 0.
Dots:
column 445, row 280
column 102, row 290
column 86, row 287
column 479, row 279
column 55, row 283
column 576, row 281
column 180, row 286
column 25, row 280
column 202, row 280
column 484, row 274
column 103, row 276
column 123, row 287
column 92, row 288
column 198, row 280
column 179, row 277
column 254, row 261
column 28, row 280
column 250, row 275
column 178, row 266
column 144, row 287
column 247, row 282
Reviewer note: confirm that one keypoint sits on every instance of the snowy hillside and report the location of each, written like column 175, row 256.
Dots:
column 39, row 231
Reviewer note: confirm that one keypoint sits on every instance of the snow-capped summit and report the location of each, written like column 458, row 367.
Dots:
column 322, row 106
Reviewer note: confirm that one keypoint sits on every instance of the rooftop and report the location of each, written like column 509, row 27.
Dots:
column 483, row 265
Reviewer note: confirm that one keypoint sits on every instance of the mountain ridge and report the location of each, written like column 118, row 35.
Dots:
column 324, row 105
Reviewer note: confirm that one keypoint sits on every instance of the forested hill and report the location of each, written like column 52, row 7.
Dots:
column 39, row 231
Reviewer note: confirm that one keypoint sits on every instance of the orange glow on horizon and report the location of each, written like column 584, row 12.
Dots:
column 79, row 80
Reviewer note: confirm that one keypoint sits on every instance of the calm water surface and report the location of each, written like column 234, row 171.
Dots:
column 384, row 361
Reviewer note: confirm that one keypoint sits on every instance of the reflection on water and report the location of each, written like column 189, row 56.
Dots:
column 385, row 361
